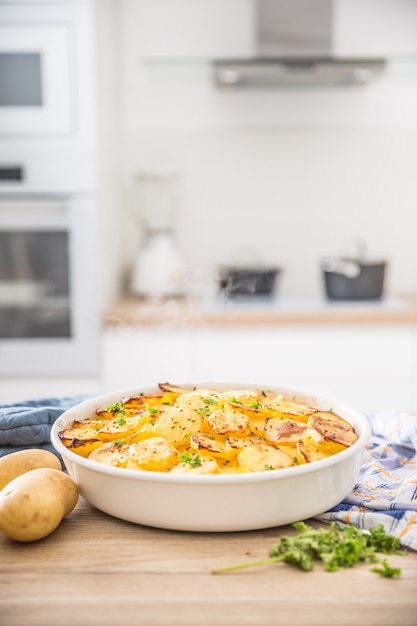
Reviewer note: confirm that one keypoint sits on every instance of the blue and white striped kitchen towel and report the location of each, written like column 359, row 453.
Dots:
column 386, row 490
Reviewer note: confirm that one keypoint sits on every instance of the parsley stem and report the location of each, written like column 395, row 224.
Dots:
column 229, row 568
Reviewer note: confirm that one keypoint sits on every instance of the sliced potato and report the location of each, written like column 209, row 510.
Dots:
column 257, row 426
column 242, row 396
column 176, row 389
column 83, row 447
column 199, row 400
column 197, row 465
column 311, row 451
column 226, row 421
column 121, row 427
column 145, row 432
column 177, row 425
column 111, row 453
column 261, row 456
column 283, row 408
column 203, row 442
column 329, row 428
column 131, row 406
column 83, row 431
column 284, row 430
column 155, row 454
column 242, row 442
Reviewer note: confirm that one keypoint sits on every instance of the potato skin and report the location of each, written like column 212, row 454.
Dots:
column 17, row 463
column 33, row 504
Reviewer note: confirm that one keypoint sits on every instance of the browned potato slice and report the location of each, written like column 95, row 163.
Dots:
column 84, row 439
column 239, row 443
column 282, row 408
column 120, row 427
column 81, row 430
column 173, row 388
column 113, row 453
column 329, row 428
column 254, row 410
column 209, row 444
column 283, row 430
column 177, row 425
column 196, row 465
column 227, row 421
column 261, row 456
column 135, row 404
column 83, row 447
column 155, row 454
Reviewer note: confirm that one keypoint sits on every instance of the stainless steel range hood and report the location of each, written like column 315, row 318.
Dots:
column 295, row 46
column 296, row 72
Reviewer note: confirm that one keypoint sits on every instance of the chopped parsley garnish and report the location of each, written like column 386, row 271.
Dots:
column 235, row 400
column 119, row 443
column 193, row 461
column 336, row 547
column 255, row 405
column 203, row 411
column 117, row 406
column 210, row 401
column 121, row 419
column 152, row 410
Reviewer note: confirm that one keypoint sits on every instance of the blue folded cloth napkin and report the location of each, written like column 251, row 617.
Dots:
column 385, row 492
column 27, row 424
column 386, row 489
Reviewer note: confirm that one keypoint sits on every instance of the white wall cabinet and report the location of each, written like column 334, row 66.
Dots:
column 370, row 367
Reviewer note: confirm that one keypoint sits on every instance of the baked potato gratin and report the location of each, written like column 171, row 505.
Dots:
column 203, row 431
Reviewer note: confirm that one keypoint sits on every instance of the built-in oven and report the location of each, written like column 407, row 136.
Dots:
column 47, row 95
column 48, row 189
column 48, row 277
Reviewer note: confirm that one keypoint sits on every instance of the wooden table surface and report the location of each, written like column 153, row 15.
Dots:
column 98, row 570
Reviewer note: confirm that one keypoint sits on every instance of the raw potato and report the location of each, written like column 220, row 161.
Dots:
column 16, row 463
column 33, row 504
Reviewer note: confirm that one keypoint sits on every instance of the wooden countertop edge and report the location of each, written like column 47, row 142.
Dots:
column 134, row 312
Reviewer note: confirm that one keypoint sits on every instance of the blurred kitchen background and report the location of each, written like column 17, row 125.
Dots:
column 179, row 143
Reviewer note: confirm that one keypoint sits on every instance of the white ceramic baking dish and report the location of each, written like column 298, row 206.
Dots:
column 222, row 502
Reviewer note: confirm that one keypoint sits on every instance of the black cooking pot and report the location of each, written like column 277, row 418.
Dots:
column 353, row 279
column 247, row 281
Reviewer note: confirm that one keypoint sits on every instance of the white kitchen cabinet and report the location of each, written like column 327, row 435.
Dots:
column 138, row 357
column 370, row 367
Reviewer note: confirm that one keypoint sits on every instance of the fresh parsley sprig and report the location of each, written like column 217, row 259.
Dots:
column 336, row 547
